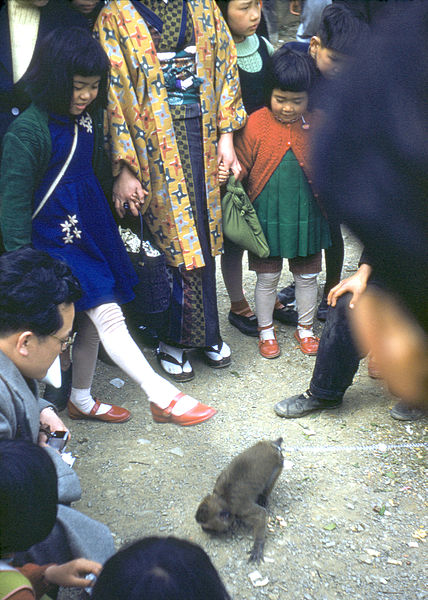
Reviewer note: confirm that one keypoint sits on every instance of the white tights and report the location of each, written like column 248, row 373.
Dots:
column 306, row 299
column 107, row 323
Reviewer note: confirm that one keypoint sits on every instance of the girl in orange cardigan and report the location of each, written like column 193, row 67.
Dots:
column 273, row 151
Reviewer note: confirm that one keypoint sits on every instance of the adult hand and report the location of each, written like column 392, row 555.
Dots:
column 226, row 154
column 127, row 189
column 49, row 419
column 73, row 573
column 356, row 285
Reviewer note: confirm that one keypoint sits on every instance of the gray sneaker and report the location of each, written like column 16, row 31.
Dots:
column 299, row 406
column 403, row 412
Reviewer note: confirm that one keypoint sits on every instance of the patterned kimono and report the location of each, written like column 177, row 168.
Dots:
column 170, row 143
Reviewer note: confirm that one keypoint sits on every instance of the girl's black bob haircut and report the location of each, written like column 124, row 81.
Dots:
column 290, row 71
column 64, row 53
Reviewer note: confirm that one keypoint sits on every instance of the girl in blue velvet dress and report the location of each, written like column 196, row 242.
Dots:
column 69, row 217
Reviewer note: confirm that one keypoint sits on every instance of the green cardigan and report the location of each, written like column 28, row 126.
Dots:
column 25, row 155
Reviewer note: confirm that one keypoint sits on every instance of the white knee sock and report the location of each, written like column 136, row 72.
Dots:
column 85, row 352
column 119, row 345
column 306, row 300
column 265, row 297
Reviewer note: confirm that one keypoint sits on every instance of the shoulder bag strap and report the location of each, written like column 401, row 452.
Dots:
column 59, row 176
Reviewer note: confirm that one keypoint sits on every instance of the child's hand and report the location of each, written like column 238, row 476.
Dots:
column 223, row 173
column 295, row 7
column 73, row 573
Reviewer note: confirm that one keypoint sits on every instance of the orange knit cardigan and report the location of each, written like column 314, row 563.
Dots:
column 262, row 144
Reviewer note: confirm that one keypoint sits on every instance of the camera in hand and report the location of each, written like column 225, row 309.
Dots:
column 58, row 440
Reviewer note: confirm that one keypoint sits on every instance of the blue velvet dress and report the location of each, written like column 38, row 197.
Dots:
column 76, row 223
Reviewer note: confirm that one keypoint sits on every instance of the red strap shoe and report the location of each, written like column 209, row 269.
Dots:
column 116, row 414
column 197, row 414
column 308, row 345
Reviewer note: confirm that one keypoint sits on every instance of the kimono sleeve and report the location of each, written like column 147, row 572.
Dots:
column 126, row 92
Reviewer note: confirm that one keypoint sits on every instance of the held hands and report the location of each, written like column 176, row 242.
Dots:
column 127, row 189
column 356, row 284
column 226, row 155
column 73, row 573
column 49, row 420
column 223, row 173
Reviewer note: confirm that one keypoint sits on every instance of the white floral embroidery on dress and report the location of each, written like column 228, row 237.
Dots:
column 85, row 121
column 69, row 227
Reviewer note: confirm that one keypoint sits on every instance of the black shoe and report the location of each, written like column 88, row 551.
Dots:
column 322, row 310
column 246, row 325
column 299, row 406
column 403, row 412
column 285, row 315
column 288, row 294
column 59, row 396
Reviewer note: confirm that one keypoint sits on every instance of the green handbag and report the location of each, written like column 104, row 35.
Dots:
column 240, row 222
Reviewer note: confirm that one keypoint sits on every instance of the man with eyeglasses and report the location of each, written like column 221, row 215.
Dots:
column 37, row 295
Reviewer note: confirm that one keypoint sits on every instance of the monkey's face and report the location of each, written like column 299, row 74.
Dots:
column 213, row 514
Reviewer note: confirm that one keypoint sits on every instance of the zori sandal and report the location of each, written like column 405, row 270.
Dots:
column 185, row 375
column 217, row 356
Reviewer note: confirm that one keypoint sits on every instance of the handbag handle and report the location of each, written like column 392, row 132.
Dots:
column 59, row 176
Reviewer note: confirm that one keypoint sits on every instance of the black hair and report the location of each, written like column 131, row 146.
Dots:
column 32, row 285
column 222, row 4
column 371, row 156
column 156, row 568
column 28, row 495
column 64, row 53
column 343, row 29
column 289, row 71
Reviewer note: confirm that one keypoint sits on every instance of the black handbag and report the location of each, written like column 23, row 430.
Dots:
column 153, row 290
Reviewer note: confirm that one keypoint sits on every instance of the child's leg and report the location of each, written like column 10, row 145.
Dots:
column 265, row 297
column 241, row 314
column 119, row 345
column 85, row 352
column 305, row 271
column 306, row 300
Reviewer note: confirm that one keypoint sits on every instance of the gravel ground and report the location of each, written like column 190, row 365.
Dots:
column 348, row 513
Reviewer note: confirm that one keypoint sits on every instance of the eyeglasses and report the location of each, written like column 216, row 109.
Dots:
column 67, row 343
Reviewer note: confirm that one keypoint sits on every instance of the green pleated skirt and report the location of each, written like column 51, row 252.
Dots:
column 289, row 214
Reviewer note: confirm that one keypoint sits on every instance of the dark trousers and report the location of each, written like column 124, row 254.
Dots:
column 333, row 257
column 338, row 357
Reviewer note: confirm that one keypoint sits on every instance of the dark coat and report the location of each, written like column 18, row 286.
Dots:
column 13, row 99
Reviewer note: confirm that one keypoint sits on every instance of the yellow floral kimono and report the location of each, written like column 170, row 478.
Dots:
column 140, row 124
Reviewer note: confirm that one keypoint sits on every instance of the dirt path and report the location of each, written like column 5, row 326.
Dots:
column 348, row 514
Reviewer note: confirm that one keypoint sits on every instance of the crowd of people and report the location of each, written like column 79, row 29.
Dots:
column 114, row 110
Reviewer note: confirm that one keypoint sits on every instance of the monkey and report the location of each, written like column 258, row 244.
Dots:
column 241, row 492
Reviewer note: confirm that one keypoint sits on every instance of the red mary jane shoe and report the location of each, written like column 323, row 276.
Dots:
column 308, row 345
column 116, row 414
column 198, row 414
column 269, row 348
